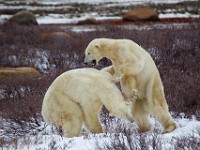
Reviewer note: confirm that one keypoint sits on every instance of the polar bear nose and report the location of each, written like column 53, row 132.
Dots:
column 92, row 62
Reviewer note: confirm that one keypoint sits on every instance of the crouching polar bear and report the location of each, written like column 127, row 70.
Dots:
column 139, row 77
column 76, row 97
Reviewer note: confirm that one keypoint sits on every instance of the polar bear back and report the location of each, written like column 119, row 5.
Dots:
column 79, row 84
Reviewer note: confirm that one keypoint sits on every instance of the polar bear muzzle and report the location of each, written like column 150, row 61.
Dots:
column 90, row 63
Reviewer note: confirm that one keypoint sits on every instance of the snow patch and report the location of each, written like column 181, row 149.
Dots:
column 154, row 53
column 41, row 60
column 4, row 18
column 14, row 92
column 2, row 93
column 47, row 138
column 178, row 15
column 82, row 29
column 66, row 19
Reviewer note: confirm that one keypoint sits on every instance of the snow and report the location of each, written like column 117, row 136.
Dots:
column 3, row 18
column 82, row 29
column 178, row 15
column 46, row 137
column 41, row 60
column 73, row 18
column 61, row 19
column 56, row 19
column 186, row 129
column 66, row 19
column 2, row 93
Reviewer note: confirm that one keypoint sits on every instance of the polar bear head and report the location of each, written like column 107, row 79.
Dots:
column 95, row 51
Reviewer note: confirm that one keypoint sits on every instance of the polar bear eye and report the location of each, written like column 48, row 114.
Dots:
column 88, row 53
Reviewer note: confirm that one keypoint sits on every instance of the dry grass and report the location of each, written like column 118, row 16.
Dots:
column 181, row 7
column 19, row 72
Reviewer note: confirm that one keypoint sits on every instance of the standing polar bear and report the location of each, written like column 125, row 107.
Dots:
column 76, row 97
column 139, row 77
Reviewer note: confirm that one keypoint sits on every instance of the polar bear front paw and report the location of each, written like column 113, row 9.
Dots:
column 134, row 95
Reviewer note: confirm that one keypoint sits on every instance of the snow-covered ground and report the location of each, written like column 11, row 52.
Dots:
column 186, row 136
column 178, row 15
column 71, row 13
column 62, row 19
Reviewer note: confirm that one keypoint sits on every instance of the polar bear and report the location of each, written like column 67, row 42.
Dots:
column 76, row 97
column 138, row 76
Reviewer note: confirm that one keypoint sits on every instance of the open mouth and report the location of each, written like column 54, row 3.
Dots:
column 91, row 63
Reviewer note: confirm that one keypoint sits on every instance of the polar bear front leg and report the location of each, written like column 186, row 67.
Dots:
column 109, row 69
column 71, row 122
column 72, row 126
column 112, row 71
column 92, row 121
column 129, row 88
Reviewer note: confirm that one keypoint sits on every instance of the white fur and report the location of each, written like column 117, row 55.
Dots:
column 139, row 79
column 76, row 97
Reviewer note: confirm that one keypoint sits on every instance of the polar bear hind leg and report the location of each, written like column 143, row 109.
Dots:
column 141, row 117
column 160, row 109
column 162, row 114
